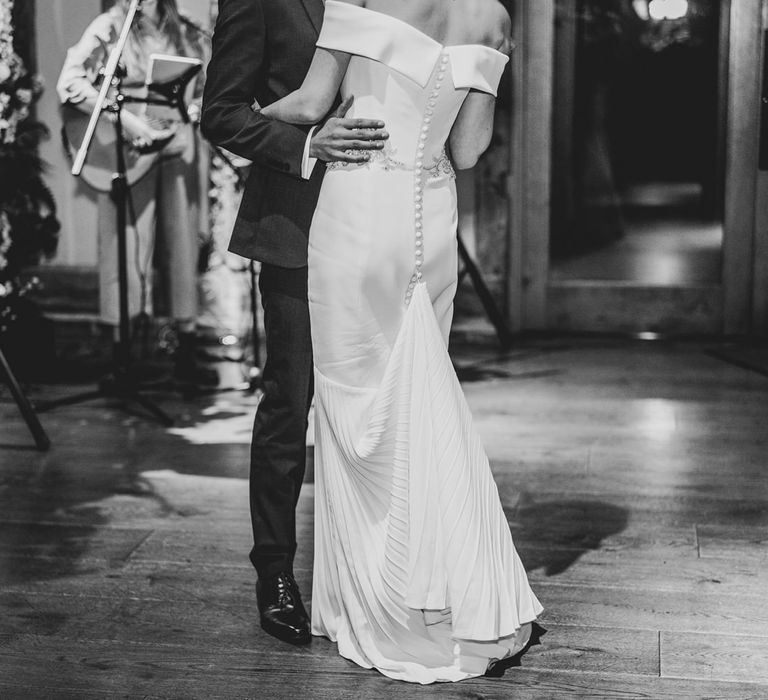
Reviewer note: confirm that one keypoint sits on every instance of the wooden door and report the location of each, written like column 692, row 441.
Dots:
column 539, row 297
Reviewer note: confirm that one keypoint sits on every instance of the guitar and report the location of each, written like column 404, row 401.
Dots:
column 175, row 75
column 101, row 163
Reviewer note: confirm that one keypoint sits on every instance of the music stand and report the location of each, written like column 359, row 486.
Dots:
column 121, row 384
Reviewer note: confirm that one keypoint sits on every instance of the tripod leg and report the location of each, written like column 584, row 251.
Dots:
column 162, row 417
column 30, row 417
column 486, row 298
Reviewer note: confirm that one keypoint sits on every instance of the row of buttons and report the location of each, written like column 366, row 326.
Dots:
column 418, row 197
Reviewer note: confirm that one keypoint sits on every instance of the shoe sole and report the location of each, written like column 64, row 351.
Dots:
column 279, row 633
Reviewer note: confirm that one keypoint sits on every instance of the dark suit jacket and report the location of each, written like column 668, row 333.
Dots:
column 262, row 50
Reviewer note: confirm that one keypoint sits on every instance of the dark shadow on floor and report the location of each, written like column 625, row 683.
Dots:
column 553, row 536
column 51, row 525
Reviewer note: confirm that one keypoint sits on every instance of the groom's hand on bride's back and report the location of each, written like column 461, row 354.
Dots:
column 342, row 139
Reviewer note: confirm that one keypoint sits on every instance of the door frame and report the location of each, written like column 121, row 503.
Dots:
column 534, row 302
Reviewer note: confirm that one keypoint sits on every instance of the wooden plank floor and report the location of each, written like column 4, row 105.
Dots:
column 634, row 476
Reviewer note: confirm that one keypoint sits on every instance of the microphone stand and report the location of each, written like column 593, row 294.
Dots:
column 121, row 384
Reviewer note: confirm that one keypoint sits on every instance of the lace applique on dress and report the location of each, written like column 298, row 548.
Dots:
column 442, row 167
column 384, row 158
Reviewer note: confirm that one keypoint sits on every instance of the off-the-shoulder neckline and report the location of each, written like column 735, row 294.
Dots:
column 416, row 29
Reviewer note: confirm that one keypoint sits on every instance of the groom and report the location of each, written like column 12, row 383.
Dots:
column 261, row 52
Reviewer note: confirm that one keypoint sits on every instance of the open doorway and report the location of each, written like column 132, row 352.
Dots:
column 638, row 142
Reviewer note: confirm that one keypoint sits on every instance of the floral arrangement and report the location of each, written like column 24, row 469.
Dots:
column 15, row 97
column 28, row 224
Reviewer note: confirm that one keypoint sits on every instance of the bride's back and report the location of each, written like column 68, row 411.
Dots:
column 451, row 23
column 414, row 63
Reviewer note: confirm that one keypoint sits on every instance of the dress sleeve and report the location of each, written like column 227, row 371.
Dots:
column 362, row 32
column 477, row 67
column 348, row 28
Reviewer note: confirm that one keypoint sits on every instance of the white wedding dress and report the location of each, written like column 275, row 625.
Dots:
column 415, row 572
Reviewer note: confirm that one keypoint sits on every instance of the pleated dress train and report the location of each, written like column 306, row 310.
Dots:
column 415, row 571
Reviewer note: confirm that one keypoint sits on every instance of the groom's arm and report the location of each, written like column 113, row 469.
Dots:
column 233, row 74
column 229, row 121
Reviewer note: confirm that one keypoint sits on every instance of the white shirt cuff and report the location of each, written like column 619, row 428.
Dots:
column 307, row 163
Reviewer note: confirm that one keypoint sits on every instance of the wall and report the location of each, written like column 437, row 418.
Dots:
column 199, row 10
column 59, row 24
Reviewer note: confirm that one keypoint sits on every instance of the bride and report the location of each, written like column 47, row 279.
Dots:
column 415, row 573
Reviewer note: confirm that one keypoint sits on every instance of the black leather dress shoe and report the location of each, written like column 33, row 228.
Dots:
column 282, row 612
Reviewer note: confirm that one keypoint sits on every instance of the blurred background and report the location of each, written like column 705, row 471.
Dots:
column 611, row 337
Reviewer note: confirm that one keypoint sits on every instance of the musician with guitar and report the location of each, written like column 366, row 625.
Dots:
column 167, row 194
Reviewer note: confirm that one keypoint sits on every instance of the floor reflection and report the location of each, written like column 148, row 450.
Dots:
column 667, row 241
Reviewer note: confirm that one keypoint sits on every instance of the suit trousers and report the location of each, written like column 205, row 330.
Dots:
column 279, row 448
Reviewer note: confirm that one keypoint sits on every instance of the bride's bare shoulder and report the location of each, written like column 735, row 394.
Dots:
column 491, row 22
